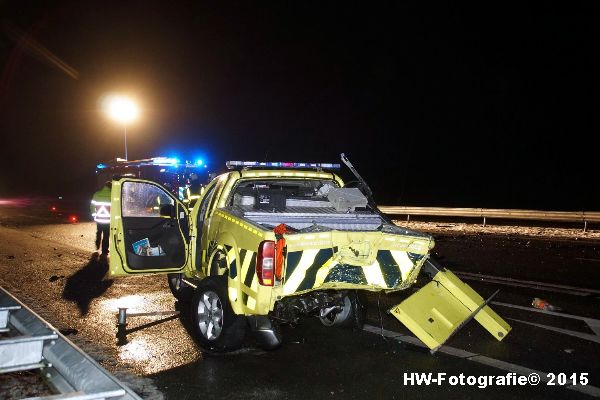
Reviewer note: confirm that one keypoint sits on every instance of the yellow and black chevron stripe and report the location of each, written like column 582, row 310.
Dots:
column 250, row 281
column 246, row 268
column 309, row 269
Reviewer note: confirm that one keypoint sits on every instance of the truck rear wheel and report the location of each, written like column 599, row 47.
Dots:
column 181, row 290
column 216, row 326
column 352, row 314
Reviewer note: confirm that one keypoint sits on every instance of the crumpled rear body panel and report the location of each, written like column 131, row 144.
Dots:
column 316, row 269
column 363, row 260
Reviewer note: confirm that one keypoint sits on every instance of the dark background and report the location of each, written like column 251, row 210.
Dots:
column 473, row 107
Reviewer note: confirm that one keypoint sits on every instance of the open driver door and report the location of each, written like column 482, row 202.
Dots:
column 149, row 229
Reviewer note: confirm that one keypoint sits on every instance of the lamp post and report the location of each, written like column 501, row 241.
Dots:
column 122, row 110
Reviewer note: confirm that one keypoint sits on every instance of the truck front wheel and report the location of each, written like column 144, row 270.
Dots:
column 216, row 326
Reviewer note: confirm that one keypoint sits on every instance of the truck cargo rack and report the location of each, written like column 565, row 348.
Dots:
column 29, row 343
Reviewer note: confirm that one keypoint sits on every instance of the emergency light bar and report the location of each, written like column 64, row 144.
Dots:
column 165, row 161
column 272, row 164
column 155, row 161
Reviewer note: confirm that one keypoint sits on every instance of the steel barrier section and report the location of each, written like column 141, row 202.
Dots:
column 65, row 367
column 559, row 216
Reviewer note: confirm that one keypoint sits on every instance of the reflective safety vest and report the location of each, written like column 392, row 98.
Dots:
column 100, row 206
column 188, row 197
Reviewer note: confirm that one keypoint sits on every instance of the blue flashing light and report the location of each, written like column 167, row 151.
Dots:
column 199, row 161
column 100, row 166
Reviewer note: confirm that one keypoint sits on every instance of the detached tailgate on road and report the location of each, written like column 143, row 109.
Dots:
column 442, row 306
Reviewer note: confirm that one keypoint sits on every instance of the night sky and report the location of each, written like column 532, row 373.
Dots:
column 449, row 107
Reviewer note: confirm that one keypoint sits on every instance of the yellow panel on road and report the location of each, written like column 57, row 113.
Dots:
column 441, row 306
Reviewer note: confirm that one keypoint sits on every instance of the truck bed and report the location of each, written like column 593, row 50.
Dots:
column 305, row 218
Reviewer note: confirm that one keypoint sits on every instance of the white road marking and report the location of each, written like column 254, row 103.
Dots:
column 588, row 389
column 550, row 287
column 484, row 360
column 593, row 323
column 510, row 367
column 580, row 335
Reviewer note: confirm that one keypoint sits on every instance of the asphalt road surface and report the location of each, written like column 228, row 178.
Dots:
column 53, row 268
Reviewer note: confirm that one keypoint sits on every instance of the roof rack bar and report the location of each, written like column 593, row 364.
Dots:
column 280, row 164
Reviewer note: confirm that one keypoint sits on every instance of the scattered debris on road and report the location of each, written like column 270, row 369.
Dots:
column 542, row 304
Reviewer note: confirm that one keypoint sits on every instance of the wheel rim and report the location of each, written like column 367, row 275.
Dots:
column 210, row 315
column 333, row 317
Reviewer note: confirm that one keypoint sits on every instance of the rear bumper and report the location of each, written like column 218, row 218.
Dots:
column 266, row 333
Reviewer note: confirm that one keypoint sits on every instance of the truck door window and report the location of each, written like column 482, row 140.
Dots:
column 218, row 188
column 143, row 200
column 200, row 222
column 204, row 206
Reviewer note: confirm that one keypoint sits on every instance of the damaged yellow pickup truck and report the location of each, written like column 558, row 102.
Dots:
column 267, row 243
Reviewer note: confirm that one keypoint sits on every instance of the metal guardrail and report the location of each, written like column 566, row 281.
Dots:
column 485, row 213
column 33, row 343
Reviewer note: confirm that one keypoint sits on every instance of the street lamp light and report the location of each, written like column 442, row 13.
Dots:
column 122, row 110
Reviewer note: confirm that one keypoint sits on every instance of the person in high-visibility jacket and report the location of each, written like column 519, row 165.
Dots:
column 100, row 209
column 193, row 190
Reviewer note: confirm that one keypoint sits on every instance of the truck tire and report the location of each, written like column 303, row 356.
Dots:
column 353, row 313
column 181, row 290
column 216, row 326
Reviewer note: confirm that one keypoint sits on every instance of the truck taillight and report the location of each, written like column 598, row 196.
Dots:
column 265, row 262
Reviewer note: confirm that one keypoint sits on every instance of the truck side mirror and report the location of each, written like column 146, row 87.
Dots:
column 167, row 210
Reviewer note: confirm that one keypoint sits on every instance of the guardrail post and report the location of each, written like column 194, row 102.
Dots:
column 484, row 222
column 122, row 327
column 585, row 225
column 122, row 321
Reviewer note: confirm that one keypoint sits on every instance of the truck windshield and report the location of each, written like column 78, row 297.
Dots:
column 279, row 194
